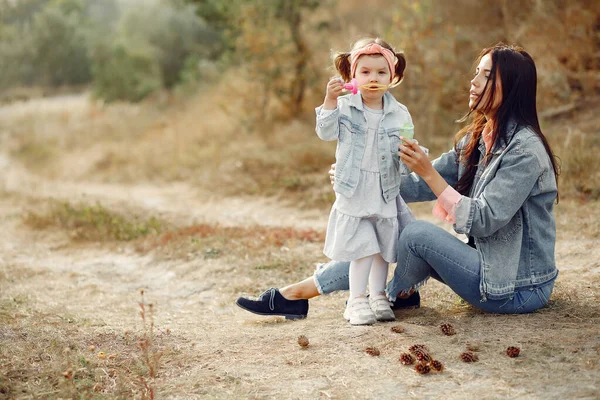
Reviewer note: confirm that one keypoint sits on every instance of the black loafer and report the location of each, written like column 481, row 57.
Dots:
column 271, row 302
column 412, row 301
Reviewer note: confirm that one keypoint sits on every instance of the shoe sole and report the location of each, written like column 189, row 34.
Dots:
column 385, row 317
column 367, row 321
column 362, row 322
column 287, row 316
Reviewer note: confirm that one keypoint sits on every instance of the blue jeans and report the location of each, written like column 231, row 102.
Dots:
column 426, row 250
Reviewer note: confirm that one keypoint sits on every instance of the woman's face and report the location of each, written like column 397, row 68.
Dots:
column 482, row 75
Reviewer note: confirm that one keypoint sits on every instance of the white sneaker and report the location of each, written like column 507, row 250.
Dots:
column 381, row 307
column 358, row 312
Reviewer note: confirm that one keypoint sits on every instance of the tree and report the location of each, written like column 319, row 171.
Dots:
column 266, row 39
column 59, row 44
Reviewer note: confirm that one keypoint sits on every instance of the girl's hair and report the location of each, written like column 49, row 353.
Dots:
column 341, row 61
column 518, row 77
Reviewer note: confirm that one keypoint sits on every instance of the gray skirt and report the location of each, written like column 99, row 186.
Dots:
column 364, row 224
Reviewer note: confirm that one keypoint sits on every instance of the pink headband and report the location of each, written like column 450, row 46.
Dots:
column 373, row 48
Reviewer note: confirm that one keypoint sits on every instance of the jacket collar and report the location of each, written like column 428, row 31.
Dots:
column 500, row 145
column 390, row 104
column 511, row 129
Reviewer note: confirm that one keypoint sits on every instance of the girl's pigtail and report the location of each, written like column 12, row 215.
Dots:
column 342, row 65
column 400, row 67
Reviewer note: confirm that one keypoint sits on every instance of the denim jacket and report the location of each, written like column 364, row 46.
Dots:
column 348, row 125
column 509, row 212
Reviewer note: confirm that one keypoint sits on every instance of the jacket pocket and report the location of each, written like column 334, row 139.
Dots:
column 508, row 231
column 346, row 130
column 394, row 136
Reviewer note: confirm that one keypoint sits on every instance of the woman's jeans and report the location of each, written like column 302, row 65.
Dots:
column 426, row 250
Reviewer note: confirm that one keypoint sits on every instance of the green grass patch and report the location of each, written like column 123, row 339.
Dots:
column 93, row 222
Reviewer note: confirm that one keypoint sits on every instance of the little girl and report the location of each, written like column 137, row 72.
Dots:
column 363, row 225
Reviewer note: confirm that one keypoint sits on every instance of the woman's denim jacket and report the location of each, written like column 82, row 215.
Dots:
column 348, row 125
column 508, row 213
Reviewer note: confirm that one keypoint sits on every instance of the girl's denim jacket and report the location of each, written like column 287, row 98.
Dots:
column 348, row 125
column 509, row 211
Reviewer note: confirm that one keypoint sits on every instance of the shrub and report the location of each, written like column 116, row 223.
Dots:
column 59, row 48
column 124, row 70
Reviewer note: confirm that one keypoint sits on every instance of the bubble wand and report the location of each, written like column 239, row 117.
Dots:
column 351, row 86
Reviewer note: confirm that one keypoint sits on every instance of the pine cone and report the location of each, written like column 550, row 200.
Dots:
column 422, row 355
column 397, row 329
column 406, row 359
column 447, row 329
column 372, row 351
column 467, row 357
column 436, row 366
column 422, row 369
column 303, row 341
column 416, row 347
column 513, row 352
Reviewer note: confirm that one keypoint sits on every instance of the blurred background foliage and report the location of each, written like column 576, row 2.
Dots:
column 265, row 63
column 128, row 49
column 124, row 50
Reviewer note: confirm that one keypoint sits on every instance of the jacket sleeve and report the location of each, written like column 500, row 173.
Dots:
column 328, row 127
column 506, row 192
column 414, row 189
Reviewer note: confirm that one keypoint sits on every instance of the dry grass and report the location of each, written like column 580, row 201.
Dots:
column 49, row 355
column 91, row 222
column 256, row 237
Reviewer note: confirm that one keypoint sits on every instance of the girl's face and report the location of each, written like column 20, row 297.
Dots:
column 372, row 69
column 482, row 75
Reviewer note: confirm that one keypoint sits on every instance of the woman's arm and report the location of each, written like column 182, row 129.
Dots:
column 512, row 184
column 415, row 159
column 415, row 189
column 511, row 181
column 429, row 179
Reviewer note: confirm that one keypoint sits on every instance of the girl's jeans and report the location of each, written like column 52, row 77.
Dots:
column 426, row 250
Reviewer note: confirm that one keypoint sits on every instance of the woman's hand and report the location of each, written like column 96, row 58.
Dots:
column 415, row 158
column 332, row 174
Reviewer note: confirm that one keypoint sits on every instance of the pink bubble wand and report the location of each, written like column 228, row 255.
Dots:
column 351, row 86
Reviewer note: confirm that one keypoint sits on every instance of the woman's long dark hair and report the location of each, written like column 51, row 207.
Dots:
column 518, row 77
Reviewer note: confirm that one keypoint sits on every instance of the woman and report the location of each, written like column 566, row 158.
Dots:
column 497, row 185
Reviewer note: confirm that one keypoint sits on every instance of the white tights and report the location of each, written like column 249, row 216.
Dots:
column 372, row 269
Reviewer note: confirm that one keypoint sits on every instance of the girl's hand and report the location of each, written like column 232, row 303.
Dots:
column 415, row 158
column 332, row 174
column 334, row 89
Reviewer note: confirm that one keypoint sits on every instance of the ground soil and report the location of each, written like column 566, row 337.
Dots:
column 50, row 284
